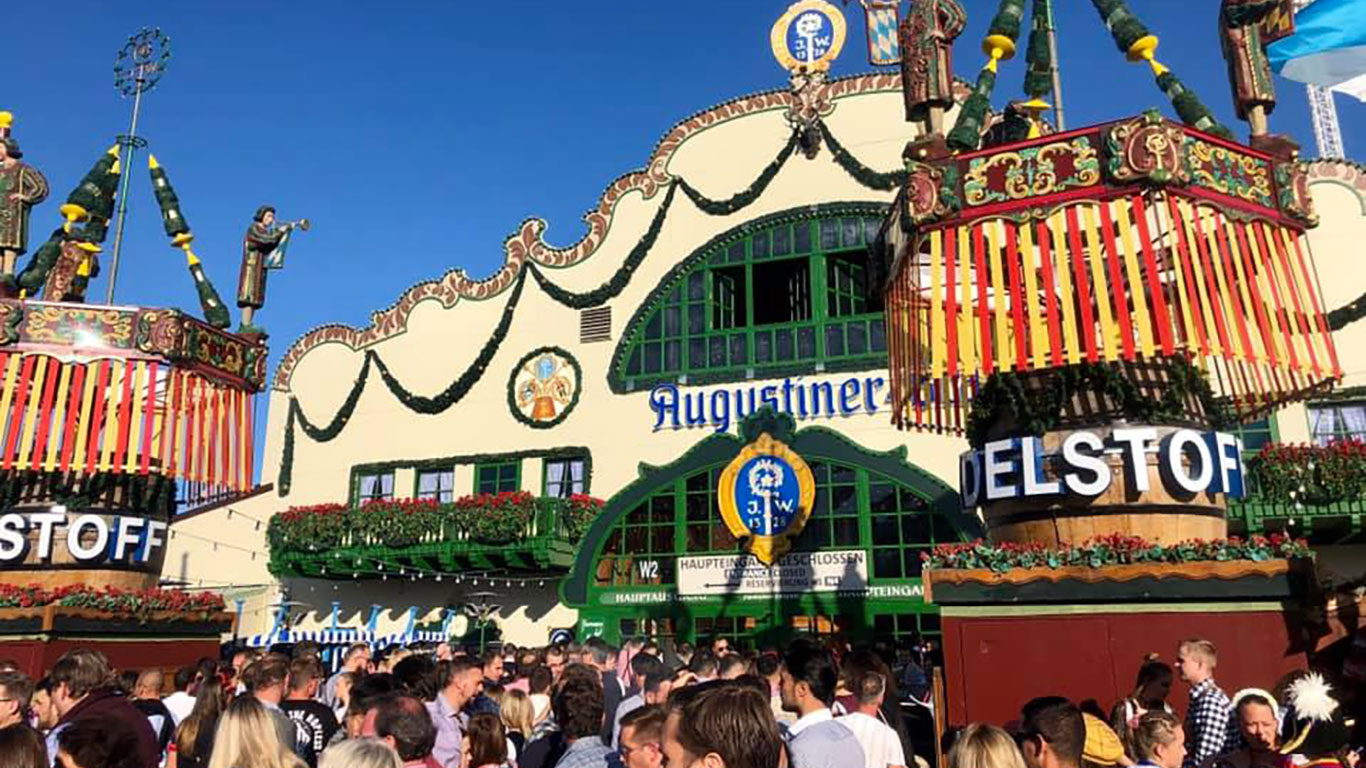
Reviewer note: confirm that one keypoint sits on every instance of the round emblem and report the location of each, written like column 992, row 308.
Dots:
column 544, row 387
column 808, row 36
column 765, row 496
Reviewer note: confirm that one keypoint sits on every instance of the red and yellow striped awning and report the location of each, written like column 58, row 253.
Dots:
column 123, row 416
column 1125, row 276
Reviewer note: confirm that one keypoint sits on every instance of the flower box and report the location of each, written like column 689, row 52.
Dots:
column 60, row 619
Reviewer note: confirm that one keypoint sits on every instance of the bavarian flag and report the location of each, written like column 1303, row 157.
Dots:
column 1328, row 48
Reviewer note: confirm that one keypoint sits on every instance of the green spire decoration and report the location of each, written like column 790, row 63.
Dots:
column 94, row 196
column 1038, row 81
column 1124, row 26
column 967, row 130
column 34, row 275
column 1192, row 111
column 1006, row 23
column 178, row 229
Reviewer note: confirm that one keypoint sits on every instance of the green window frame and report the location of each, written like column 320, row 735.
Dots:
column 1256, row 434
column 374, row 486
column 788, row 294
column 564, row 477
column 854, row 508
column 435, row 485
column 498, row 477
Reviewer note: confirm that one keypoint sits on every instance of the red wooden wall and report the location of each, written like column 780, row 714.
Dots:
column 993, row 665
column 35, row 657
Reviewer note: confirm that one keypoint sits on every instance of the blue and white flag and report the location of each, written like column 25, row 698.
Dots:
column 882, row 17
column 1328, row 48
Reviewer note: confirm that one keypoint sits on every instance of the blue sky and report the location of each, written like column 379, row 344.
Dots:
column 418, row 135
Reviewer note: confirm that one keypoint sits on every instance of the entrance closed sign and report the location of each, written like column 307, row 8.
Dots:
column 794, row 573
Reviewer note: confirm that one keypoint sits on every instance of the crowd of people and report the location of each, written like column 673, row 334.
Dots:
column 809, row 705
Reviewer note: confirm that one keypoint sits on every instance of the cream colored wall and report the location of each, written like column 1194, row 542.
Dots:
column 440, row 343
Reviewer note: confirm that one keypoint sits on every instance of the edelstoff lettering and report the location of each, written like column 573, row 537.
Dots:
column 126, row 539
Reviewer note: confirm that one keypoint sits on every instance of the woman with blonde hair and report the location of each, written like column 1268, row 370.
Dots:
column 985, row 746
column 247, row 738
column 517, row 719
column 193, row 743
column 360, row 753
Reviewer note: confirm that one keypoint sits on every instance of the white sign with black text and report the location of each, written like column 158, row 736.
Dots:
column 793, row 573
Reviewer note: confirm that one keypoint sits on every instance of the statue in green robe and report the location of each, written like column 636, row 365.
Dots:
column 21, row 187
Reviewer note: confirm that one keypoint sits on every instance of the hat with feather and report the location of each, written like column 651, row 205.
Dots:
column 1319, row 729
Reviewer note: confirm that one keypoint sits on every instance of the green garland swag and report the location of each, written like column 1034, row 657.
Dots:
column 596, row 297
column 621, row 278
column 1347, row 314
column 746, row 196
column 861, row 173
column 1004, row 397
column 512, row 387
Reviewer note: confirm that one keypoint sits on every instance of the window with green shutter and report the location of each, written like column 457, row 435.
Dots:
column 499, row 477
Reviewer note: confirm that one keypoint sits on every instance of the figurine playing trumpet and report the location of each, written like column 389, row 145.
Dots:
column 263, row 248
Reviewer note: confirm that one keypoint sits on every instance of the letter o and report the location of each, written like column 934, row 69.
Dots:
column 73, row 538
column 1176, row 450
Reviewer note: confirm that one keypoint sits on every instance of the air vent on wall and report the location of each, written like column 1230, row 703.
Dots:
column 595, row 324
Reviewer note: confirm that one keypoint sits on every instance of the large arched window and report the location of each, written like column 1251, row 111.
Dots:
column 790, row 293
column 855, row 508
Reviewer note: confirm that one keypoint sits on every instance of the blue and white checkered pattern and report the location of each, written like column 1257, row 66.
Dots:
column 338, row 636
column 883, row 17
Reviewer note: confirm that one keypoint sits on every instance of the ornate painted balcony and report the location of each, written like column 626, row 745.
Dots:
column 506, row 532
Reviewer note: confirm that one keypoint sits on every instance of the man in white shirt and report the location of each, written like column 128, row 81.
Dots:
column 880, row 742
column 808, row 689
column 181, row 703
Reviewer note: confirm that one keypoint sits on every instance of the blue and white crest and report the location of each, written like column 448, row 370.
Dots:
column 766, row 494
column 808, row 36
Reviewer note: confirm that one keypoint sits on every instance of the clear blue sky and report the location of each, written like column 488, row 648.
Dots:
column 418, row 135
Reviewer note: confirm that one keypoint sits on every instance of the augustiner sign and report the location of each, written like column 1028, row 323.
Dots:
column 1189, row 463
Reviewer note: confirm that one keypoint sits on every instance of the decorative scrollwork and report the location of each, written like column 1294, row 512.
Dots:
column 1146, row 149
column 1292, row 182
column 1229, row 172
column 1031, row 172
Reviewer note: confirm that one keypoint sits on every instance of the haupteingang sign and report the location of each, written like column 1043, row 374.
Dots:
column 44, row 536
column 1190, row 462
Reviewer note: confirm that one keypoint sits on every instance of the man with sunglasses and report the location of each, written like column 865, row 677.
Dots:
column 642, row 733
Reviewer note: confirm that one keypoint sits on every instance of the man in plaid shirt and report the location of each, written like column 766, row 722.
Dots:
column 1209, row 716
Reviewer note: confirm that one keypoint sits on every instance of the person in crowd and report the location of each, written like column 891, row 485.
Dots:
column 1318, row 731
column 641, row 743
column 652, row 648
column 16, row 692
column 458, row 682
column 769, row 667
column 882, row 746
column 555, row 660
column 857, row 664
column 21, row 746
column 146, row 696
column 416, row 676
column 724, row 725
column 808, row 682
column 1209, row 714
column 360, row 753
column 515, row 712
column 363, row 695
column 579, row 710
column 240, row 659
column 343, row 694
column 491, row 668
column 1052, row 733
column 601, row 657
column 44, row 711
column 403, row 723
column 731, row 666
column 355, row 661
column 485, row 743
column 265, row 680
column 83, row 687
column 314, row 721
column 181, row 702
column 685, row 652
column 193, row 743
column 985, row 746
column 720, row 647
column 704, row 666
column 1151, row 689
column 1159, row 741
column 248, row 735
column 539, row 687
column 1256, row 714
column 1103, row 748
column 98, row 741
column 654, row 677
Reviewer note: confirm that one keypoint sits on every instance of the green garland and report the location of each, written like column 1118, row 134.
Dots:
column 746, row 196
column 1114, row 549
column 1190, row 108
column 966, row 134
column 1034, row 412
column 621, row 278
column 1006, row 22
column 512, row 387
column 888, row 181
column 1347, row 314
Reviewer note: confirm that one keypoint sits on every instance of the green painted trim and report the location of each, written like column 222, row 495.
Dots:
column 353, row 498
column 516, row 464
column 417, row 479
column 545, row 476
column 991, row 611
column 443, row 462
column 812, row 443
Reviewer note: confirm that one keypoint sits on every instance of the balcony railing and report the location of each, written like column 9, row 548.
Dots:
column 490, row 532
